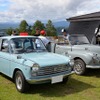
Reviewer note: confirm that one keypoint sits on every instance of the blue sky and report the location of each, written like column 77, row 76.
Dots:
column 4, row 5
column 56, row 10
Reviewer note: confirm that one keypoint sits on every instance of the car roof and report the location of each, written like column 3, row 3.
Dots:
column 10, row 37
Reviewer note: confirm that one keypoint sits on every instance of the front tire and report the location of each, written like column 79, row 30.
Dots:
column 79, row 67
column 20, row 82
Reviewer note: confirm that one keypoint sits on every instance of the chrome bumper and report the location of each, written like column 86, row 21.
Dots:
column 93, row 67
column 47, row 79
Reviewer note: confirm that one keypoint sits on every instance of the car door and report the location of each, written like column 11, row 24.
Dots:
column 62, row 49
column 62, row 46
column 5, row 57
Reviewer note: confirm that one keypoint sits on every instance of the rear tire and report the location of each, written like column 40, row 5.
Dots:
column 20, row 82
column 79, row 67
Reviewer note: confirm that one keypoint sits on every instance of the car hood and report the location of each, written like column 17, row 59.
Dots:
column 89, row 47
column 46, row 59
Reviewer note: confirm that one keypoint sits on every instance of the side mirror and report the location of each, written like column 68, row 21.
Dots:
column 20, row 57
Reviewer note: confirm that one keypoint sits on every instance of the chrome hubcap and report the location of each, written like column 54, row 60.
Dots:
column 19, row 82
column 78, row 67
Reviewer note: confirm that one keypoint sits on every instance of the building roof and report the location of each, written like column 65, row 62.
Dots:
column 86, row 17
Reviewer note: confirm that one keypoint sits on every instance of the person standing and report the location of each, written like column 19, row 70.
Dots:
column 46, row 41
column 43, row 37
column 65, row 34
column 14, row 33
column 37, row 33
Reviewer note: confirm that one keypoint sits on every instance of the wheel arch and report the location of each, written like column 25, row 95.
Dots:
column 80, row 58
column 17, row 69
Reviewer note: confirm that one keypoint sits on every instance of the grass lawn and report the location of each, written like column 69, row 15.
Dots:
column 77, row 88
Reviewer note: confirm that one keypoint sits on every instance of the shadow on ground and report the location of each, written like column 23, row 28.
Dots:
column 59, row 90
column 73, row 86
column 93, row 72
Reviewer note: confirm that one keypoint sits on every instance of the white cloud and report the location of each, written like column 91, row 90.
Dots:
column 88, row 7
column 32, row 10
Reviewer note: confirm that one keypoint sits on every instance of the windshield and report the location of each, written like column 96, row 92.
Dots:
column 78, row 40
column 26, row 45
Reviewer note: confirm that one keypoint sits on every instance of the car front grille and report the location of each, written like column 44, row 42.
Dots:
column 52, row 70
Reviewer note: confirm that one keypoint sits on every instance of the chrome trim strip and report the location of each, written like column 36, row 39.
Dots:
column 94, row 66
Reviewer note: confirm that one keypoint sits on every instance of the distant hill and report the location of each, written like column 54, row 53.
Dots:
column 8, row 25
column 16, row 25
column 61, row 24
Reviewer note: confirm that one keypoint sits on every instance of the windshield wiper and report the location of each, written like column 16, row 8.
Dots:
column 29, row 51
column 41, row 50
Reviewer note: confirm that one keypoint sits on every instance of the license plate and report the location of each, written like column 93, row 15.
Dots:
column 57, row 79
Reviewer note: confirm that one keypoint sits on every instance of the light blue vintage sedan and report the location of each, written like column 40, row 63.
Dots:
column 26, row 60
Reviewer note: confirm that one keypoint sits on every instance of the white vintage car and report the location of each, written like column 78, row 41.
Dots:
column 81, row 51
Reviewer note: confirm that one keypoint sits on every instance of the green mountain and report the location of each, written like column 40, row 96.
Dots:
column 8, row 25
column 16, row 25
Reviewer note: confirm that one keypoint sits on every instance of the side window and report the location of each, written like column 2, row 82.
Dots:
column 5, row 46
column 16, row 46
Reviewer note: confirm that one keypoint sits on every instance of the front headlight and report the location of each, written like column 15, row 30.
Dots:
column 35, row 68
column 94, row 56
column 95, row 59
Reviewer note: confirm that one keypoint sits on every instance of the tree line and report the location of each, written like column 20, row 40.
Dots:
column 25, row 27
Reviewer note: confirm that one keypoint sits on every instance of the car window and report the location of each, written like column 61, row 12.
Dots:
column 26, row 45
column 78, row 40
column 4, row 45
